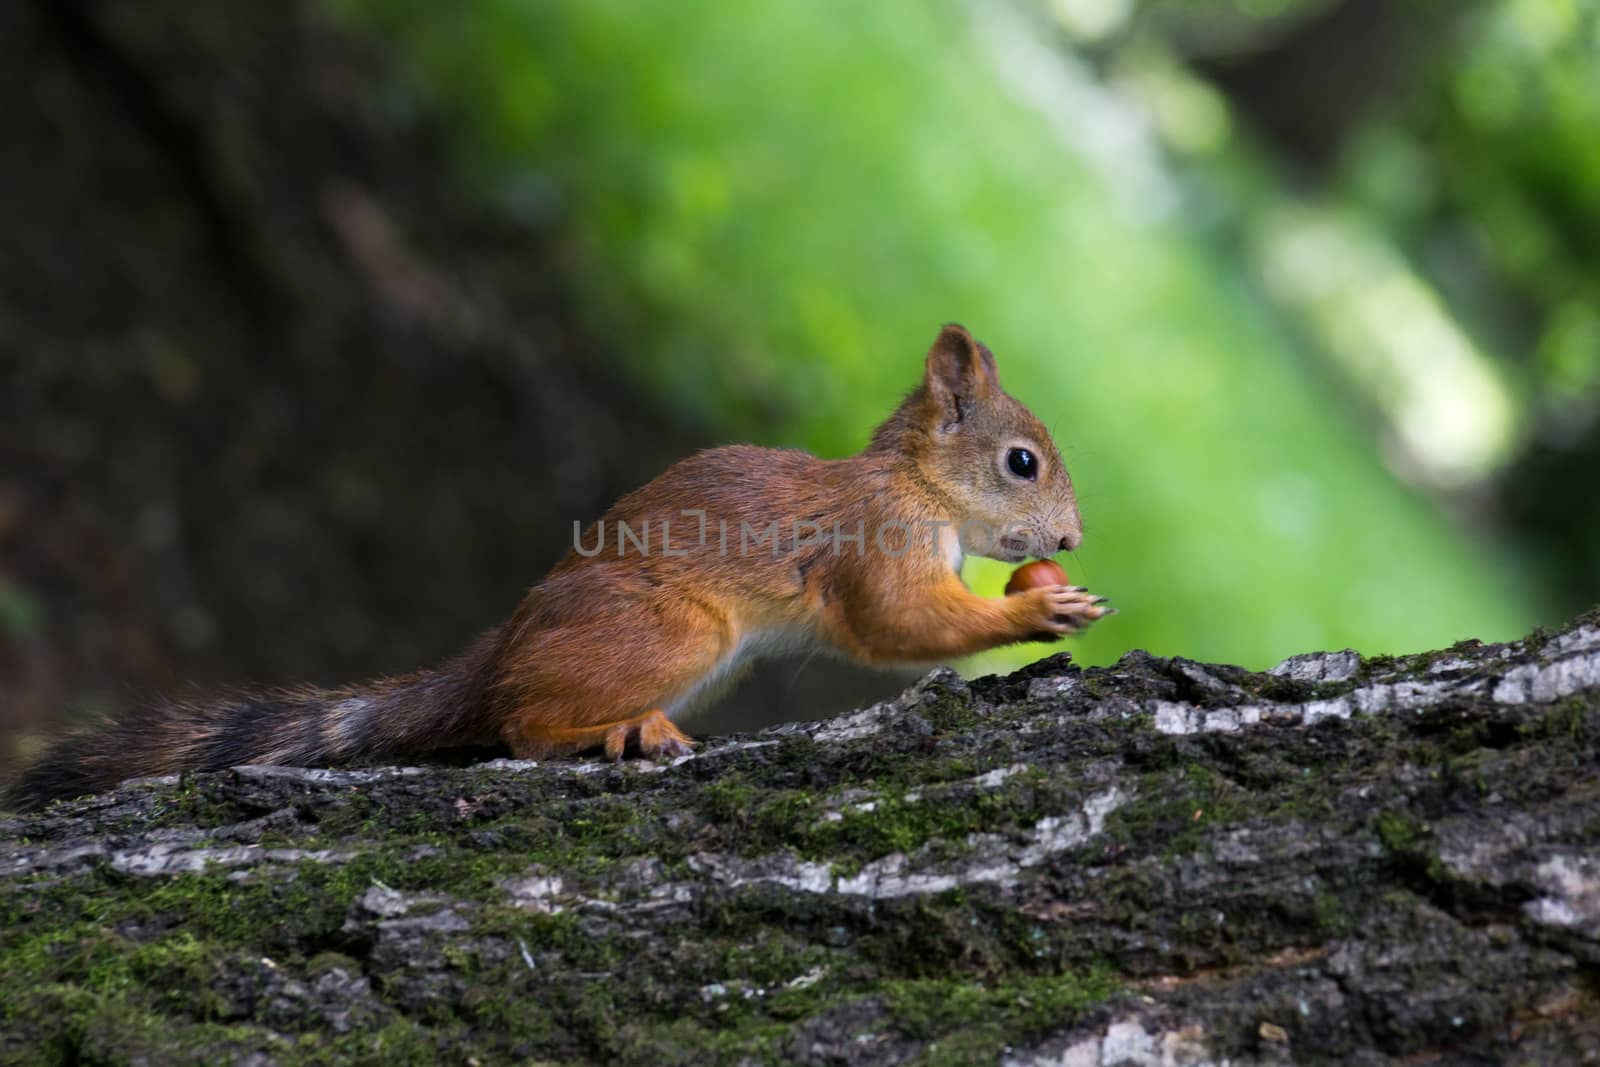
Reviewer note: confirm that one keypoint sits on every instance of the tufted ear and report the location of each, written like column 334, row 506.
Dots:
column 960, row 374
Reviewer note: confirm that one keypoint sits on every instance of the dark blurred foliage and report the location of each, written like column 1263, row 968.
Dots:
column 277, row 403
column 1466, row 130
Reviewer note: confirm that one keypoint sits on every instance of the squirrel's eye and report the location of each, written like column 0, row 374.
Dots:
column 1022, row 463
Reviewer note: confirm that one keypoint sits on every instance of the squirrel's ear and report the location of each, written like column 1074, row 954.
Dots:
column 960, row 372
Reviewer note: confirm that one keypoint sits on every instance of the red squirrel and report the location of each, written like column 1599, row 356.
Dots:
column 729, row 554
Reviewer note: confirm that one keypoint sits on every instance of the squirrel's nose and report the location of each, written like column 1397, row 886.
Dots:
column 1071, row 541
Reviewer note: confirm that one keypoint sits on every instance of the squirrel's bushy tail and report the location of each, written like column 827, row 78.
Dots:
column 294, row 727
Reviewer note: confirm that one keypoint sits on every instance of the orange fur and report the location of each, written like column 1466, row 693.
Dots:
column 607, row 635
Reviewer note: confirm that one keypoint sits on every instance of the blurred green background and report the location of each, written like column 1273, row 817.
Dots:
column 327, row 319
column 1290, row 357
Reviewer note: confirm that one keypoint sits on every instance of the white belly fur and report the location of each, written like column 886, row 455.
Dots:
column 755, row 645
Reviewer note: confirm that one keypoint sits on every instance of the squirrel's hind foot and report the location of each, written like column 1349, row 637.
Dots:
column 653, row 734
column 649, row 734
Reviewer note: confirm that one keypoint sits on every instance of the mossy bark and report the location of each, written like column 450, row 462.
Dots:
column 1344, row 860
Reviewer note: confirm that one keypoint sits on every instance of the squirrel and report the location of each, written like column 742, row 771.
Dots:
column 731, row 553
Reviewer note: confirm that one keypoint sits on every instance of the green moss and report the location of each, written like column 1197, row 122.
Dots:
column 761, row 987
column 893, row 824
column 727, row 799
column 1177, row 811
column 1375, row 665
column 75, row 1025
column 1568, row 718
column 964, row 1018
column 1281, row 690
column 1398, row 834
column 1406, row 842
column 400, row 1041
column 1331, row 915
column 951, row 712
column 904, row 812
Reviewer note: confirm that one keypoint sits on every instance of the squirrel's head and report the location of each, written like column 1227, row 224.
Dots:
column 988, row 456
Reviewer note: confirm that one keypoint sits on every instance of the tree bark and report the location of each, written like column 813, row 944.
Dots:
column 1345, row 860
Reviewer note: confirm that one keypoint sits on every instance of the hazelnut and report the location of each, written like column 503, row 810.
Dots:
column 1038, row 573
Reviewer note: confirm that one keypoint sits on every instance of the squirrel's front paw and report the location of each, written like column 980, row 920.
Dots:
column 1056, row 610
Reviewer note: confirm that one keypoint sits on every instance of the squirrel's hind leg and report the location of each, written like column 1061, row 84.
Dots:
column 652, row 733
column 601, row 676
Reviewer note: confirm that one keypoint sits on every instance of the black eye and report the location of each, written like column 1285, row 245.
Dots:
column 1022, row 463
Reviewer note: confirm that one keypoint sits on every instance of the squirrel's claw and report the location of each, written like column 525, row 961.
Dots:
column 1070, row 609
